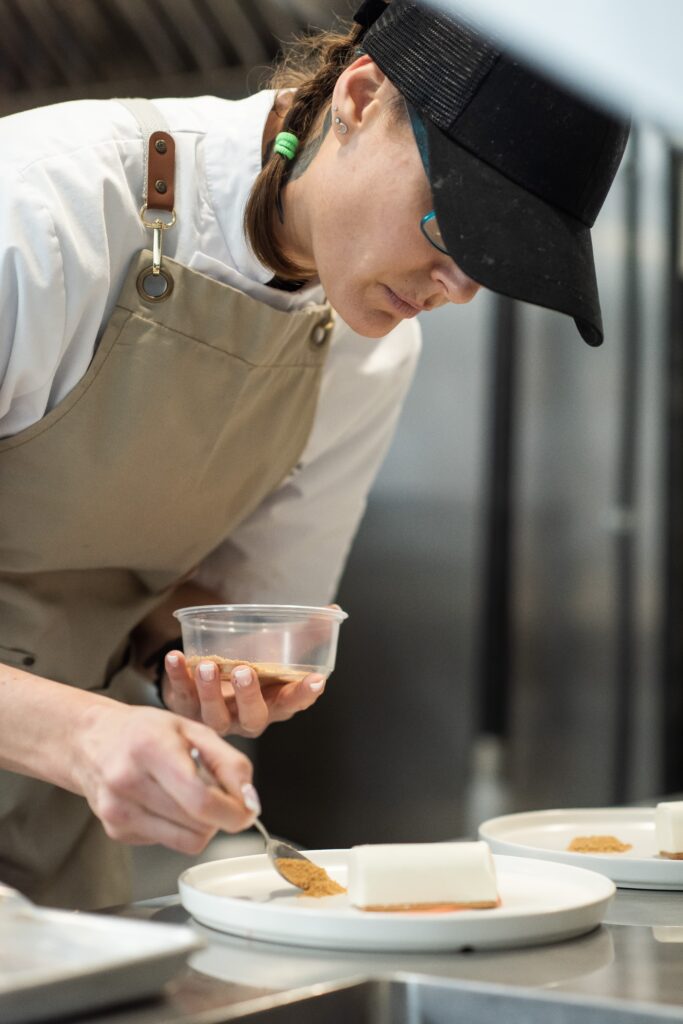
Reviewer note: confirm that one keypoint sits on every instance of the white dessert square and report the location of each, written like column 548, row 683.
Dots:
column 404, row 875
column 669, row 828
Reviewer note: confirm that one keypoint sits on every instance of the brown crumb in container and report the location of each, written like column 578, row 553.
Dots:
column 598, row 844
column 268, row 672
column 314, row 880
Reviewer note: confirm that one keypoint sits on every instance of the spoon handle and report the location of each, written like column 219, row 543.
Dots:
column 262, row 830
column 202, row 771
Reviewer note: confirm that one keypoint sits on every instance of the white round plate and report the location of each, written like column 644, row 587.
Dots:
column 541, row 902
column 547, row 834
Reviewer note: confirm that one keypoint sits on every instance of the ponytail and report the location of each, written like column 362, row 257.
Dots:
column 311, row 67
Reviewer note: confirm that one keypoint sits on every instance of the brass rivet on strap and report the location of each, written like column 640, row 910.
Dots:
column 160, row 146
column 161, row 186
column 154, row 287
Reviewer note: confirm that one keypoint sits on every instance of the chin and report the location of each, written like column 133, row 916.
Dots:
column 375, row 323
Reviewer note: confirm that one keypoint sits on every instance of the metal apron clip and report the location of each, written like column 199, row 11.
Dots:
column 150, row 289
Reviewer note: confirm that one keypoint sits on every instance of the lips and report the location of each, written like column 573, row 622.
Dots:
column 401, row 305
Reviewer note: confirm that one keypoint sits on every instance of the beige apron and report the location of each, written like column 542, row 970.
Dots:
column 191, row 412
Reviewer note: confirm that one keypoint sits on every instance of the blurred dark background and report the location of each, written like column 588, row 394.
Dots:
column 515, row 591
column 55, row 50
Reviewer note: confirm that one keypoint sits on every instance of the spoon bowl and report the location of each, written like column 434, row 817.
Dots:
column 280, row 853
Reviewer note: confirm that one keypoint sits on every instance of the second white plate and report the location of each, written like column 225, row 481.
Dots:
column 547, row 834
column 541, row 902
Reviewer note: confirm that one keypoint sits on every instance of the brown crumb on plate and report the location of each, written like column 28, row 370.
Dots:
column 598, row 844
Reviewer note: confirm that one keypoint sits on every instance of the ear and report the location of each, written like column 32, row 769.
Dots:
column 356, row 95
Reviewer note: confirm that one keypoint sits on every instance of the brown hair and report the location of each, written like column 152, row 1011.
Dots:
column 311, row 65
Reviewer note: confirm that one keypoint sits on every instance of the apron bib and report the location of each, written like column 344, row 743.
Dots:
column 193, row 410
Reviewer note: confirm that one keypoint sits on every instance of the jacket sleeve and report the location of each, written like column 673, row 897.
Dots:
column 293, row 548
column 32, row 305
column 69, row 225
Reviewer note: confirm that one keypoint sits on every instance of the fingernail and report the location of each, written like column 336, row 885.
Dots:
column 251, row 798
column 172, row 660
column 206, row 670
column 242, row 676
column 318, row 685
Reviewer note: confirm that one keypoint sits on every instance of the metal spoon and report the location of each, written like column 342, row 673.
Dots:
column 275, row 848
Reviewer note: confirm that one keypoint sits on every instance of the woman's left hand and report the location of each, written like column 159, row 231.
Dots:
column 243, row 708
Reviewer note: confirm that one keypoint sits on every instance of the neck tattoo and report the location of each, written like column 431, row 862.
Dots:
column 310, row 149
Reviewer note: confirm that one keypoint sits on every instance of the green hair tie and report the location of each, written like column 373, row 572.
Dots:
column 286, row 144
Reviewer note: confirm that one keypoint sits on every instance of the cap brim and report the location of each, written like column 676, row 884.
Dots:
column 509, row 240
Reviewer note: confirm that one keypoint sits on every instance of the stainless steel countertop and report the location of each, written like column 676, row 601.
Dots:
column 636, row 957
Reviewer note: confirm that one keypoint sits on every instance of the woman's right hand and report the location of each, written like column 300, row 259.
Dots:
column 136, row 772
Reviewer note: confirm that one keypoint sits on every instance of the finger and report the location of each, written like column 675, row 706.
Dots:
column 131, row 823
column 210, row 805
column 296, row 697
column 178, row 838
column 147, row 778
column 213, row 709
column 252, row 710
column 156, row 801
column 223, row 807
column 178, row 689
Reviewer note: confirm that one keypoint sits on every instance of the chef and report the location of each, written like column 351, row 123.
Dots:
column 207, row 330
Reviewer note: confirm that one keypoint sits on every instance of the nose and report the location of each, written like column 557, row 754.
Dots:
column 453, row 283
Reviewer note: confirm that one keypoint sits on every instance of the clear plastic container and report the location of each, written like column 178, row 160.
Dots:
column 283, row 643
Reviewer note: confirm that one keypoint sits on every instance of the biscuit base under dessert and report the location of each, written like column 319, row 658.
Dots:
column 441, row 907
column 671, row 856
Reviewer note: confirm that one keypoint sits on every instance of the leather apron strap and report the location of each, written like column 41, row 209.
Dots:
column 159, row 154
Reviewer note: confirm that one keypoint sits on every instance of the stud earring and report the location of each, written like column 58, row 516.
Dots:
column 339, row 124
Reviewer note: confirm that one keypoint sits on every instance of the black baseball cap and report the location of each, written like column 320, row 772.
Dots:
column 519, row 168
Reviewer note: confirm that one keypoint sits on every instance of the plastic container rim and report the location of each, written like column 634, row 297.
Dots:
column 196, row 612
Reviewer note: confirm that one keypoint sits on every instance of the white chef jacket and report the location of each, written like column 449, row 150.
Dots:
column 70, row 194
